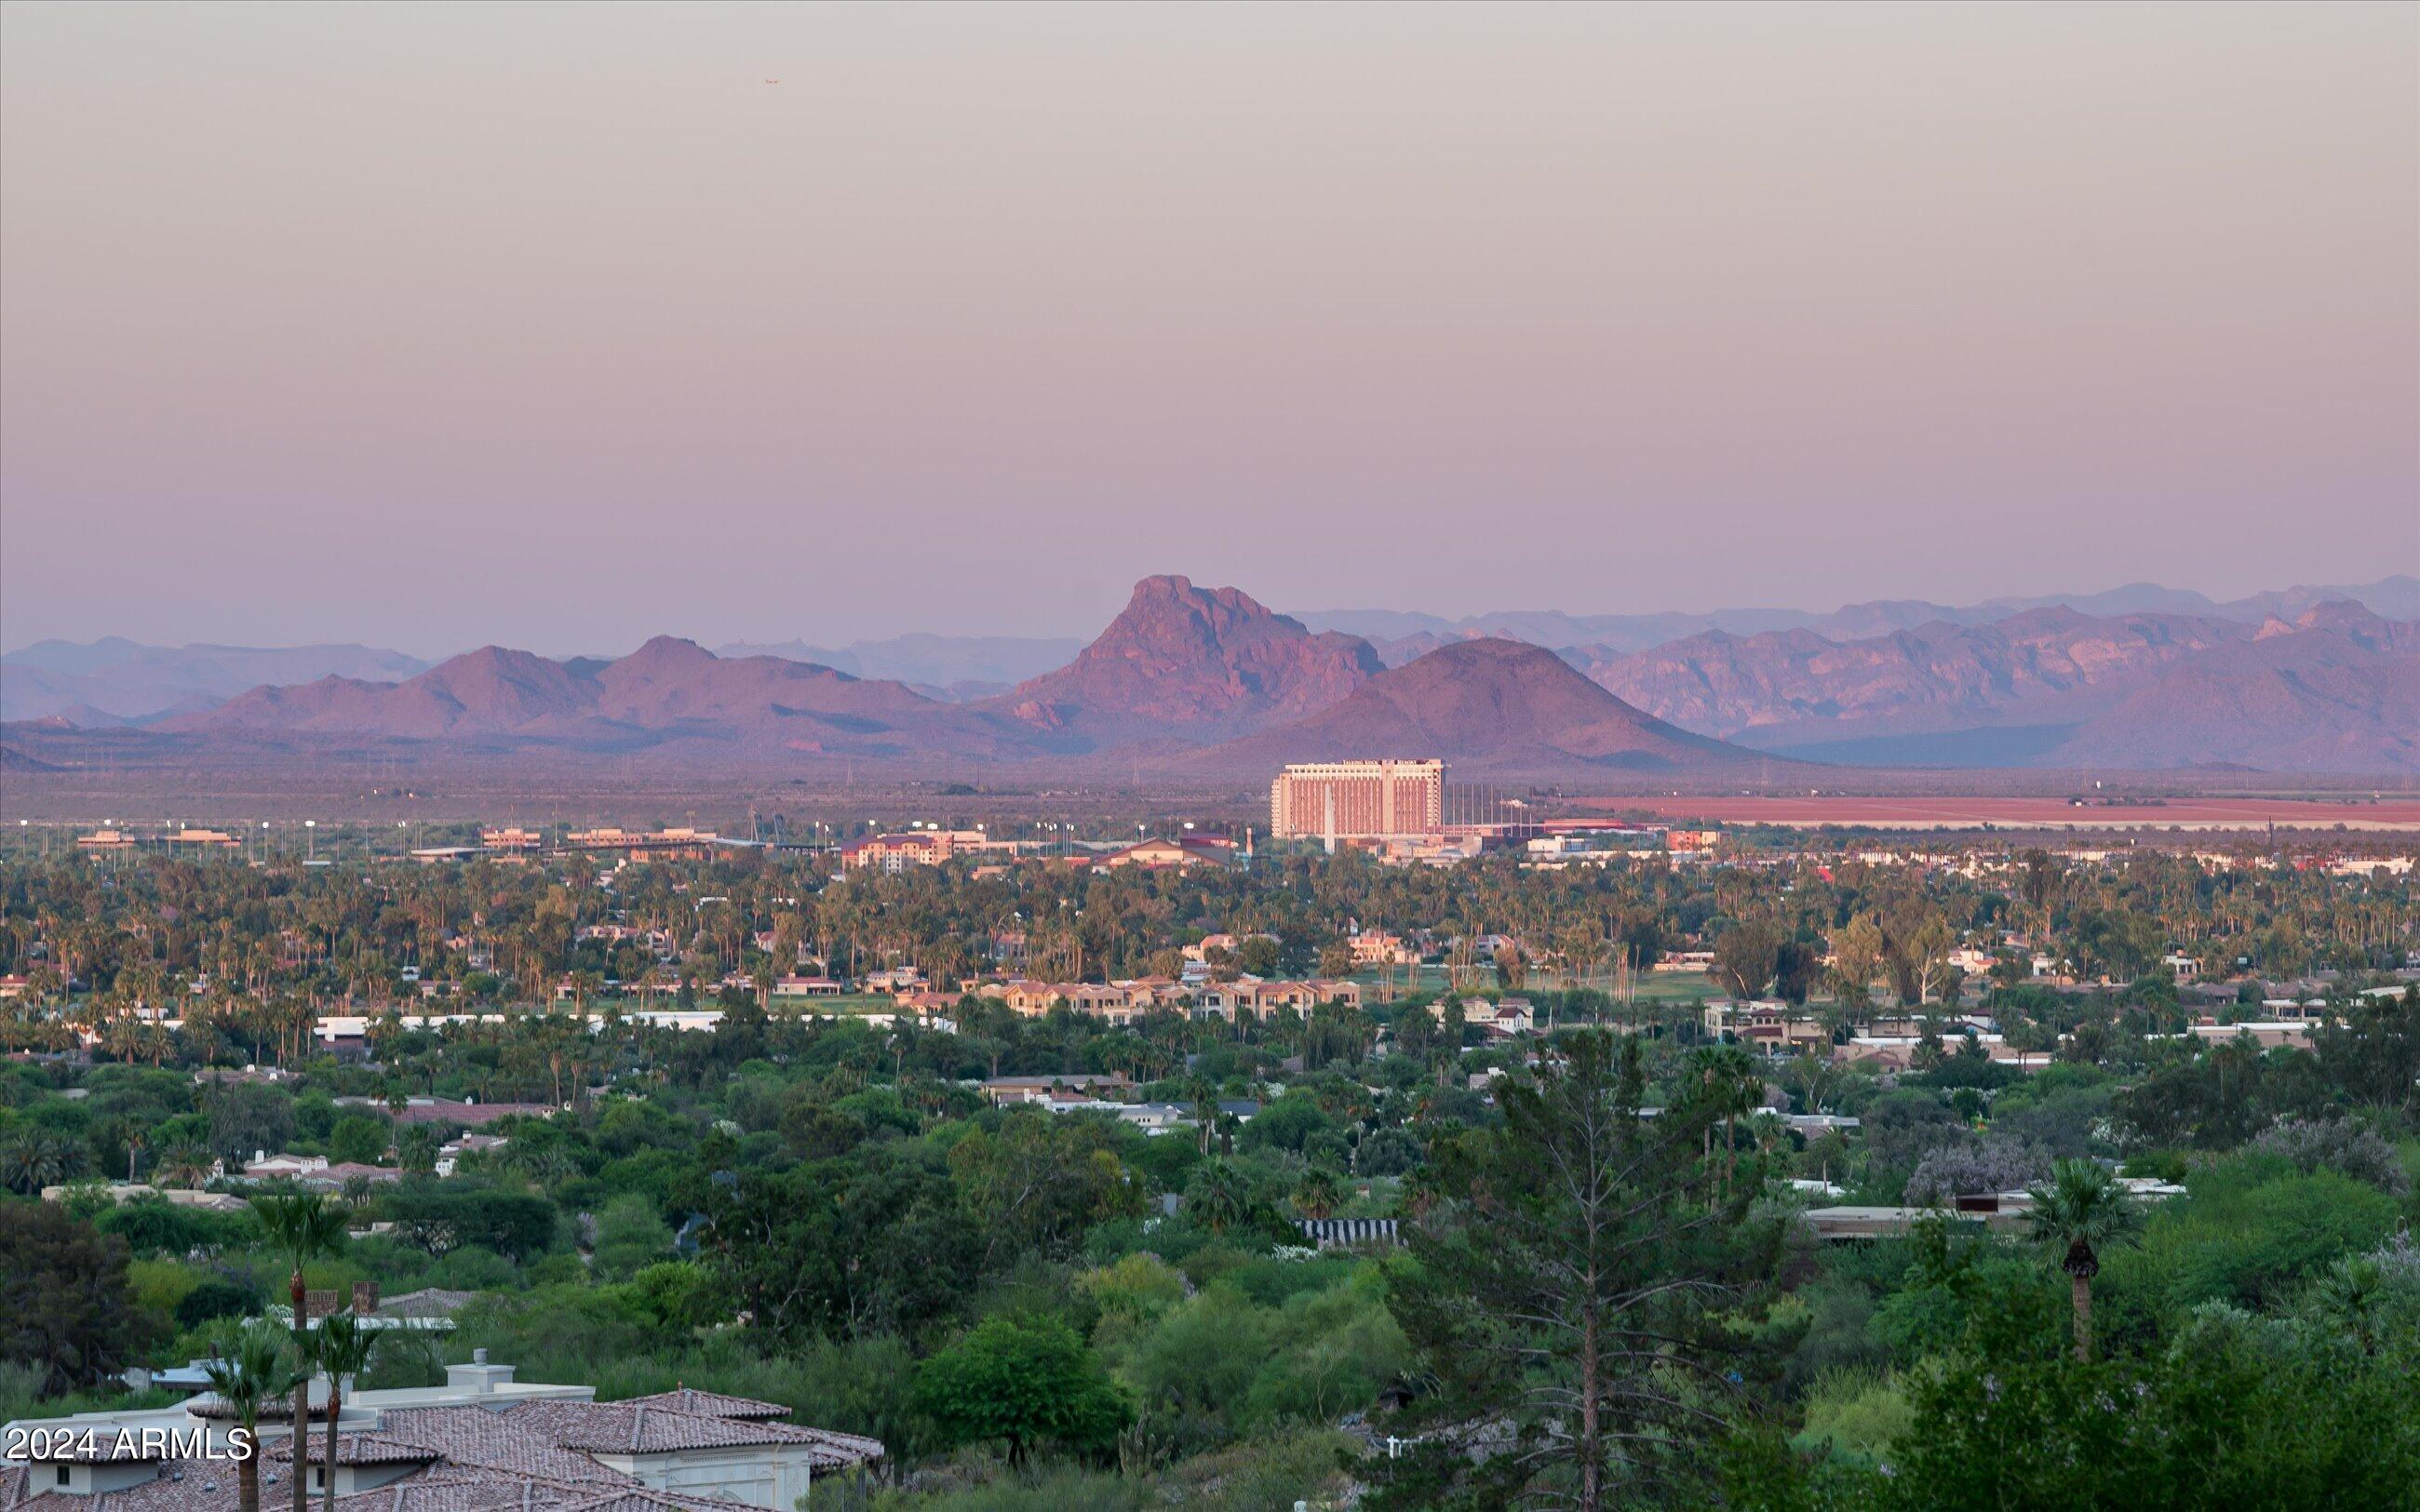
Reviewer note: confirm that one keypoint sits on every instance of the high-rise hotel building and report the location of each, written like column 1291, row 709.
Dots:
column 1358, row 800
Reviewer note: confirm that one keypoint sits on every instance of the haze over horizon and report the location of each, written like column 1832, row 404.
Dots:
column 430, row 326
column 646, row 630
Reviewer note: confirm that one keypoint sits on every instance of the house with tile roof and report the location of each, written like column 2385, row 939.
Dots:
column 482, row 1442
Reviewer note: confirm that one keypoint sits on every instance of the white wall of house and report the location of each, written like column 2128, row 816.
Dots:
column 767, row 1475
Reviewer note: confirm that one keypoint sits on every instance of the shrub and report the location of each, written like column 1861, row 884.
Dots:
column 1858, row 1408
column 1995, row 1165
column 630, row 1235
column 1139, row 1286
column 154, row 1225
column 473, row 1268
column 215, row 1297
column 360, row 1138
column 1387, row 1152
column 2246, row 1242
column 2341, row 1146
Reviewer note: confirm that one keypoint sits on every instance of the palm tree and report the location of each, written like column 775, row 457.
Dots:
column 416, row 1148
column 2355, row 1292
column 1732, row 1084
column 31, row 1162
column 2080, row 1210
column 1317, row 1194
column 1218, row 1196
column 342, row 1348
column 183, row 1164
column 247, row 1371
column 302, row 1227
column 1203, row 1095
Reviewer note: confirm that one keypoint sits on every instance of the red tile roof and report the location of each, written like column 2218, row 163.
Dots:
column 354, row 1449
column 477, row 1461
column 472, row 1436
column 709, row 1404
column 633, row 1427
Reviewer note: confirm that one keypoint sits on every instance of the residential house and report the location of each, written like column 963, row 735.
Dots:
column 1372, row 948
column 483, row 1440
column 807, row 987
column 1763, row 1023
column 449, row 1155
column 1080, row 1086
column 1499, row 1018
column 1160, row 855
column 264, row 1167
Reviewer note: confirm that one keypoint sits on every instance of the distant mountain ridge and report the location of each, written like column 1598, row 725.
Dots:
column 1202, row 680
column 2338, row 688
column 669, row 693
column 1936, row 675
column 956, row 668
column 2395, row 597
column 130, row 681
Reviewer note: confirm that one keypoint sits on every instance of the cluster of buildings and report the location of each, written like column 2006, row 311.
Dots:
column 1498, row 1018
column 1895, row 1042
column 1404, row 812
column 920, row 847
column 681, row 844
column 496, row 843
column 895, row 853
column 1123, row 1002
column 1112, row 1094
column 1401, row 809
column 108, row 841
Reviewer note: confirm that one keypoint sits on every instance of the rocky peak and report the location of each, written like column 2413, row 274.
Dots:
column 1181, row 660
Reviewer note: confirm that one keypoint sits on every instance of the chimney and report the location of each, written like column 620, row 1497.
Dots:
column 478, row 1378
column 366, row 1298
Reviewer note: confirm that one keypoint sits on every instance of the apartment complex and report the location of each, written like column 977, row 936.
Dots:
column 1358, row 800
column 916, row 847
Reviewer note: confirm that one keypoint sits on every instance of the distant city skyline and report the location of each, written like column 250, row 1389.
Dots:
column 557, row 327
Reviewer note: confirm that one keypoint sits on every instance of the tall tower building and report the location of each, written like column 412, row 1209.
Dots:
column 1358, row 800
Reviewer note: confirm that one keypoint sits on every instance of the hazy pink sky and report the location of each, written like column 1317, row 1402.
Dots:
column 554, row 324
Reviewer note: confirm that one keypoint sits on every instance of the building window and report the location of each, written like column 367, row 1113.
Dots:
column 63, row 1474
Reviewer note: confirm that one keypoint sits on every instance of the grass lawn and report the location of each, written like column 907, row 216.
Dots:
column 846, row 1003
column 1676, row 987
